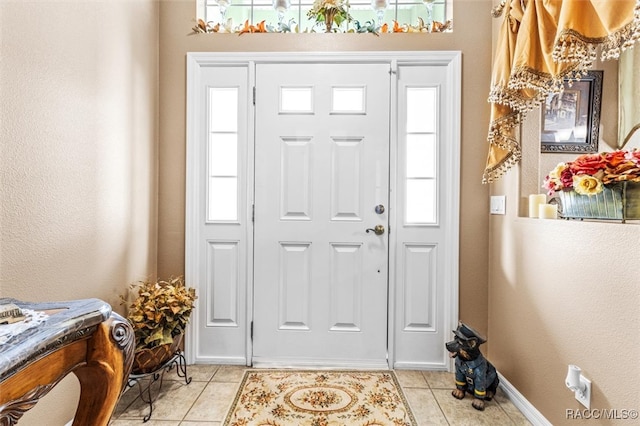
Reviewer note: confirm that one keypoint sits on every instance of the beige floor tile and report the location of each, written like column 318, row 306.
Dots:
column 125, row 401
column 172, row 403
column 138, row 422
column 461, row 413
column 512, row 411
column 201, row 372
column 201, row 424
column 440, row 379
column 424, row 407
column 411, row 379
column 213, row 403
column 229, row 373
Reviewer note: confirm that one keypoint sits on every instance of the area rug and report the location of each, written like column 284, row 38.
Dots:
column 319, row 398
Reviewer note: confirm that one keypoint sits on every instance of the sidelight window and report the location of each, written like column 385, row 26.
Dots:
column 222, row 165
column 420, row 155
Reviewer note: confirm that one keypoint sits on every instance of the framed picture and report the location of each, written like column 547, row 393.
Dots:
column 571, row 118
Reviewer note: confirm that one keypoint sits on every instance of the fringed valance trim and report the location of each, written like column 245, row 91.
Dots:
column 571, row 46
column 497, row 133
column 623, row 39
column 505, row 142
column 492, row 174
column 538, row 84
column 499, row 136
column 496, row 11
column 514, row 99
column 530, row 78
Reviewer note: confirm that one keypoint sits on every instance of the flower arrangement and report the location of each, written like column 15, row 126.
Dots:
column 160, row 311
column 589, row 173
column 330, row 11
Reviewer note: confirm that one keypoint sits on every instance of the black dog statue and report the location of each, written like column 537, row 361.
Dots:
column 474, row 374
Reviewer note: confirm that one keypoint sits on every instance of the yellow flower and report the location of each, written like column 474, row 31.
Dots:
column 587, row 184
column 557, row 171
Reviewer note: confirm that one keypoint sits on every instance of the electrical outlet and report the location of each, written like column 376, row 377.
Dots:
column 497, row 204
column 584, row 397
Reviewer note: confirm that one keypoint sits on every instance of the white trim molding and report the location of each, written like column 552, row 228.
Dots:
column 521, row 403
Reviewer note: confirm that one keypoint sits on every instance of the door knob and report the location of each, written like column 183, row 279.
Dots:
column 378, row 229
column 379, row 209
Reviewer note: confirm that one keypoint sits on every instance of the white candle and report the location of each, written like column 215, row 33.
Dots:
column 548, row 211
column 534, row 201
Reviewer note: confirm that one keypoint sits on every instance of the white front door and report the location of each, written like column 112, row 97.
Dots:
column 330, row 137
column 321, row 180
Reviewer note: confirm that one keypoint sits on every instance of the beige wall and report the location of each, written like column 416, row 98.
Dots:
column 564, row 292
column 78, row 110
column 472, row 35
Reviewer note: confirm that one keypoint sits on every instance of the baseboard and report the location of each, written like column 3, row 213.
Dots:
column 319, row 364
column 219, row 360
column 528, row 410
column 431, row 366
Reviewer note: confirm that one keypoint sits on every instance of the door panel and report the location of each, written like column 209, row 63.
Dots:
column 322, row 156
column 425, row 220
column 217, row 219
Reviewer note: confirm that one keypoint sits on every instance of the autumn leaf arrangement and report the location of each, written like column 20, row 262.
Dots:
column 160, row 311
column 590, row 173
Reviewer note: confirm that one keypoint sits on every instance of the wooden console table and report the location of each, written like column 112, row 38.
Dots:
column 84, row 337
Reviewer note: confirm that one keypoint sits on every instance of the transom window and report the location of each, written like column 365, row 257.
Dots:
column 293, row 13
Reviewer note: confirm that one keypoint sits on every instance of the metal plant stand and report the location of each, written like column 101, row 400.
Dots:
column 177, row 360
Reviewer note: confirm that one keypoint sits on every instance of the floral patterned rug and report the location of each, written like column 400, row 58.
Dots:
column 319, row 398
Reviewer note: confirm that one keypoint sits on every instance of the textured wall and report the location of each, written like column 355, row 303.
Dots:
column 471, row 35
column 78, row 83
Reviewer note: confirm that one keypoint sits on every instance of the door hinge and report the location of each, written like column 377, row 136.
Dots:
column 251, row 330
column 254, row 95
column 253, row 213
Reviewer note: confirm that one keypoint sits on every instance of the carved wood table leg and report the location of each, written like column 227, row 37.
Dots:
column 83, row 337
column 102, row 379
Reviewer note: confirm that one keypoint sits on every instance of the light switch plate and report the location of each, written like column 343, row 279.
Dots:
column 497, row 204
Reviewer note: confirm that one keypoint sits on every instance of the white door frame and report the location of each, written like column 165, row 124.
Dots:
column 198, row 61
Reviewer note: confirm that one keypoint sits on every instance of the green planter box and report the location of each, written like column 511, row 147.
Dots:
column 617, row 202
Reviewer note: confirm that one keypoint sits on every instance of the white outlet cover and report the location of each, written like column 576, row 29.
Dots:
column 584, row 397
column 497, row 204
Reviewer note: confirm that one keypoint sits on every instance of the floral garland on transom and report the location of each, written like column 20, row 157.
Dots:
column 329, row 15
column 368, row 27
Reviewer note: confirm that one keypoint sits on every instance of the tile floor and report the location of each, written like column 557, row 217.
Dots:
column 207, row 398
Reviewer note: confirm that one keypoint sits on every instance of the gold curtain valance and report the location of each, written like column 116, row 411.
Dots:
column 540, row 43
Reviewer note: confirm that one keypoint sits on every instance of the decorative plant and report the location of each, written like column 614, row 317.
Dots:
column 330, row 11
column 589, row 173
column 160, row 311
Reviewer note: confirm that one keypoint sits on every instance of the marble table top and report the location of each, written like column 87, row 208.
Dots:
column 66, row 322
